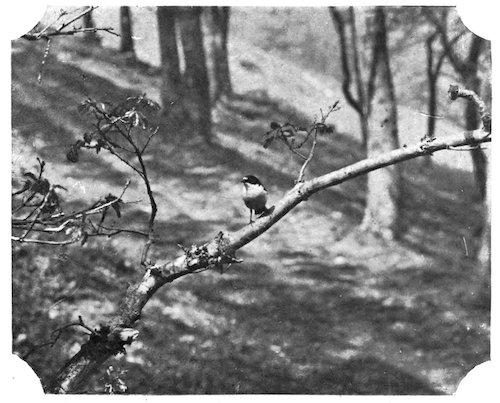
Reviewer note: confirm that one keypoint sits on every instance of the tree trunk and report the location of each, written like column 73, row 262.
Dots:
column 126, row 42
column 383, row 192
column 432, row 76
column 225, row 75
column 472, row 82
column 349, row 54
column 482, row 289
column 218, row 26
column 171, row 90
column 196, row 97
column 473, row 122
column 88, row 22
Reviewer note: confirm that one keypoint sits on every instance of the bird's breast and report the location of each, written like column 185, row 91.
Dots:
column 255, row 198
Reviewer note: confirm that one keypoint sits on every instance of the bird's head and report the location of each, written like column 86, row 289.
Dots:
column 251, row 180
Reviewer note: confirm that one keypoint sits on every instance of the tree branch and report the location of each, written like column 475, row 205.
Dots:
column 46, row 34
column 221, row 251
column 455, row 92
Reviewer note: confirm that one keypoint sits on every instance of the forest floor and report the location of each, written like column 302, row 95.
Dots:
column 315, row 308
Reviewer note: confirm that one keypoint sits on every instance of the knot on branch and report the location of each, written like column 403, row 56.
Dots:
column 426, row 144
column 204, row 257
column 107, row 341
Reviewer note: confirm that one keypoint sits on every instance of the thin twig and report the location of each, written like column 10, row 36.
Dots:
column 314, row 130
column 39, row 212
column 116, row 231
column 43, row 242
column 81, row 15
column 79, row 214
column 58, row 333
column 45, row 34
column 309, row 157
column 151, row 135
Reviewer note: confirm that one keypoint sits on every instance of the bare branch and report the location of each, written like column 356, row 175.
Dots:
column 39, row 210
column 309, row 157
column 315, row 129
column 58, row 332
column 44, row 242
column 46, row 34
column 455, row 92
column 221, row 251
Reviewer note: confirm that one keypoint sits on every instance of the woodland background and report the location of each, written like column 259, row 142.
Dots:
column 316, row 307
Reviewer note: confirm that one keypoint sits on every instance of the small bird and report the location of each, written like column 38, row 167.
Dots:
column 255, row 196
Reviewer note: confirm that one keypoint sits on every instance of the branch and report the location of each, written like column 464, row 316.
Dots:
column 221, row 251
column 58, row 332
column 43, row 225
column 315, row 130
column 442, row 27
column 455, row 92
column 45, row 34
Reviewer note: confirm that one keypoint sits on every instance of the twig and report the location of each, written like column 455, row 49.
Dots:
column 116, row 231
column 45, row 34
column 58, row 333
column 151, row 135
column 79, row 214
column 43, row 242
column 314, row 130
column 39, row 212
column 309, row 157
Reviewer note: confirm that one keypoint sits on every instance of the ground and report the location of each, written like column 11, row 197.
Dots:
column 316, row 307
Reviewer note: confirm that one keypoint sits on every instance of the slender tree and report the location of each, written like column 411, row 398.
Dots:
column 349, row 54
column 383, row 193
column 466, row 65
column 126, row 43
column 88, row 23
column 465, row 61
column 218, row 29
column 196, row 96
column 171, row 90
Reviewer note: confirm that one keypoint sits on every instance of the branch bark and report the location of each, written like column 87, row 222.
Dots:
column 221, row 251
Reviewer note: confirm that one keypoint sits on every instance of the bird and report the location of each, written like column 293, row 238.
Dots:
column 255, row 196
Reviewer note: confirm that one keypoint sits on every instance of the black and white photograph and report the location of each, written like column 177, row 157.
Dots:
column 249, row 200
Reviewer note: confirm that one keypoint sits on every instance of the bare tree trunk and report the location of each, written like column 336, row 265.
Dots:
column 482, row 290
column 171, row 90
column 88, row 22
column 196, row 86
column 480, row 164
column 225, row 74
column 218, row 26
column 472, row 119
column 433, row 72
column 383, row 193
column 126, row 42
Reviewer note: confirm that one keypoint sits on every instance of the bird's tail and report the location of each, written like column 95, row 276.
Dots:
column 264, row 212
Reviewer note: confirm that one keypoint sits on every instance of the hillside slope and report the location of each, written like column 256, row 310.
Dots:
column 315, row 307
